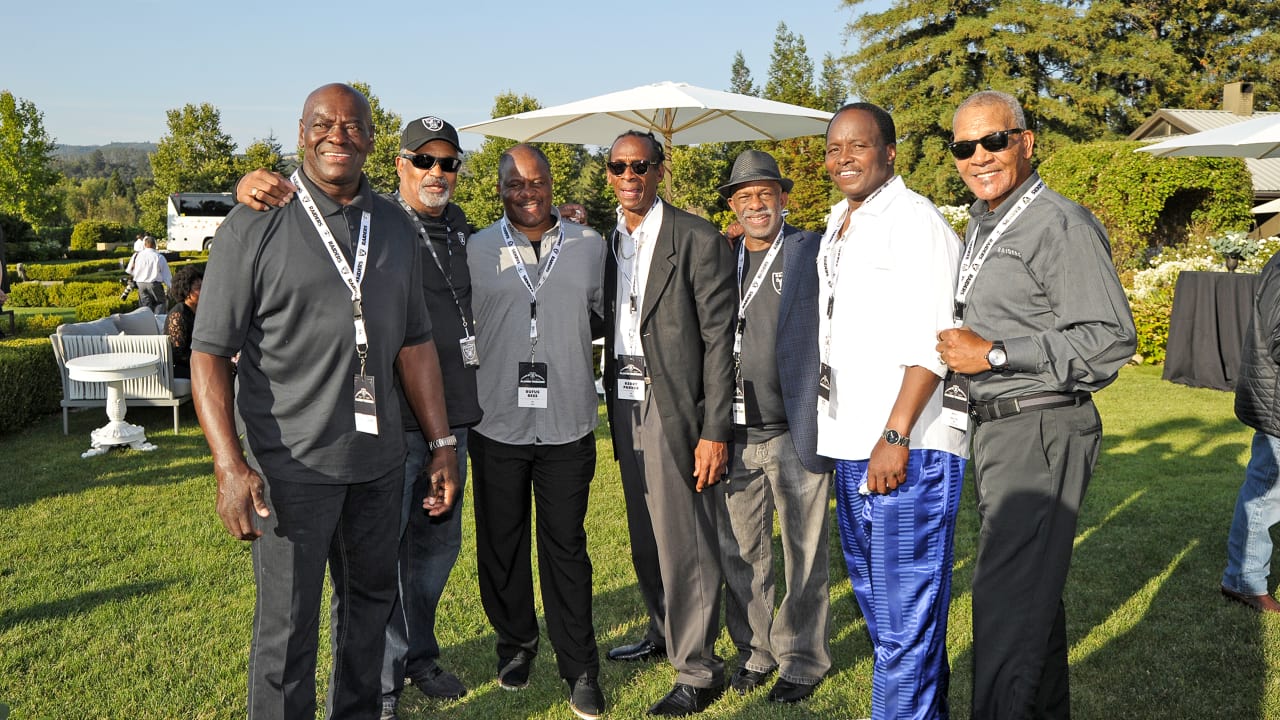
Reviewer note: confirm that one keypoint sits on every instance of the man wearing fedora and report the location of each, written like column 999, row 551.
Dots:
column 774, row 464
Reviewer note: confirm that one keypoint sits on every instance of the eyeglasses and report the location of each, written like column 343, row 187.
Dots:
column 423, row 161
column 995, row 142
column 639, row 167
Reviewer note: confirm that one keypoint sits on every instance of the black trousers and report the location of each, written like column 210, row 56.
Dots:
column 352, row 529
column 151, row 295
column 560, row 479
column 1031, row 472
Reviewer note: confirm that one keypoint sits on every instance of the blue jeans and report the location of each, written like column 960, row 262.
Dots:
column 428, row 550
column 1257, row 509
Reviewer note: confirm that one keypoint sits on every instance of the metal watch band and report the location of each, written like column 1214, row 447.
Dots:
column 445, row 441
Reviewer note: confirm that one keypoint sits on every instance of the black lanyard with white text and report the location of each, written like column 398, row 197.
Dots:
column 744, row 299
column 431, row 247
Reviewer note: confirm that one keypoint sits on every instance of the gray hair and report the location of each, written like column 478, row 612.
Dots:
column 990, row 98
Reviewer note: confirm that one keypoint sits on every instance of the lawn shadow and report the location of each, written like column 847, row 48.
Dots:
column 78, row 604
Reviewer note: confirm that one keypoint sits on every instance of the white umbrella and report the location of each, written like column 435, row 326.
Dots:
column 1268, row 207
column 1258, row 138
column 679, row 113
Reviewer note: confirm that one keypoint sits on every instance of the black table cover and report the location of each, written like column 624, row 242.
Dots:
column 1207, row 327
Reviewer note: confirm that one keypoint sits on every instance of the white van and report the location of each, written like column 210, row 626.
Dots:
column 193, row 217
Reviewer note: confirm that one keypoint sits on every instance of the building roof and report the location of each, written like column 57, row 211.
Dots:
column 1168, row 122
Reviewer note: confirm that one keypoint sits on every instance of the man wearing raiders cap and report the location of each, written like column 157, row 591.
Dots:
column 427, row 165
column 774, row 463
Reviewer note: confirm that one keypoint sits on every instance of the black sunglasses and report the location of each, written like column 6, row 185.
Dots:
column 423, row 161
column 639, row 167
column 995, row 142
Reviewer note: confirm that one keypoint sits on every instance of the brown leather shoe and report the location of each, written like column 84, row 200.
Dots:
column 1260, row 603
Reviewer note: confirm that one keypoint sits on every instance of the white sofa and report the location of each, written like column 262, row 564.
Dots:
column 137, row 331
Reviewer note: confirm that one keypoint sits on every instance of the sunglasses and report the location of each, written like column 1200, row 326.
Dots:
column 423, row 161
column 995, row 142
column 639, row 167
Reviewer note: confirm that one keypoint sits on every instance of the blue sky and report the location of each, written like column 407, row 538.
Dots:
column 107, row 71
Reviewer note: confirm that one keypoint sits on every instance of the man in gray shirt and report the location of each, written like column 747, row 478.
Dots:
column 1046, row 324
column 537, row 292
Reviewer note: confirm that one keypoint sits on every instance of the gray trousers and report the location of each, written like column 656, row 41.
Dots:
column 1031, row 472
column 683, row 526
column 763, row 477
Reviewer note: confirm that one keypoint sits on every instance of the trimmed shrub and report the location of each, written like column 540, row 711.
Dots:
column 68, row 270
column 39, row 325
column 89, row 233
column 74, row 294
column 28, row 294
column 29, row 382
column 1147, row 202
column 96, row 309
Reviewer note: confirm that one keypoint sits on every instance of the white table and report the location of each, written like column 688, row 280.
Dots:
column 114, row 369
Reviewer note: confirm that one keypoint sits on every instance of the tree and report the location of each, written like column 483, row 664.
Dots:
column 833, row 88
column 740, row 77
column 791, row 81
column 265, row 153
column 28, row 180
column 1083, row 71
column 196, row 156
column 381, row 165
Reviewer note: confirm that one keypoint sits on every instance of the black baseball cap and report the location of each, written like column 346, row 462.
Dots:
column 425, row 129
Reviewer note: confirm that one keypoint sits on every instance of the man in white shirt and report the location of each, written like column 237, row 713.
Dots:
column 151, row 273
column 886, row 273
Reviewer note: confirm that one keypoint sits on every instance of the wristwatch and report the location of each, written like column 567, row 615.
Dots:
column 997, row 358
column 446, row 441
column 894, row 438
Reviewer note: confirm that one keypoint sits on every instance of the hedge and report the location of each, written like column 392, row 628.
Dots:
column 68, row 270
column 95, row 309
column 89, row 233
column 1138, row 196
column 29, row 382
column 65, row 294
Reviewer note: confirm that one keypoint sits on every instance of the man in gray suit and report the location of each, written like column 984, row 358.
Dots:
column 669, row 306
column 774, row 463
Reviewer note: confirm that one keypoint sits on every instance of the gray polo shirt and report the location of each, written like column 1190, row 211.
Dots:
column 566, row 301
column 272, row 293
column 1050, row 292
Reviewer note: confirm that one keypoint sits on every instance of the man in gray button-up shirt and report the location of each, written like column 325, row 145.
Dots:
column 1046, row 323
column 539, row 401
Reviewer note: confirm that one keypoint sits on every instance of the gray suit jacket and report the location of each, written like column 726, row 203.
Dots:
column 797, row 343
column 686, row 330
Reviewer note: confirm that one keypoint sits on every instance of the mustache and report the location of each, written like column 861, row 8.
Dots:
column 757, row 214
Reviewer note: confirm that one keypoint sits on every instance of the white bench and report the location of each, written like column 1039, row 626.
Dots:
column 161, row 389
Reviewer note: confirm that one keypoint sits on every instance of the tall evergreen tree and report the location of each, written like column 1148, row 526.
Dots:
column 381, row 164
column 28, row 180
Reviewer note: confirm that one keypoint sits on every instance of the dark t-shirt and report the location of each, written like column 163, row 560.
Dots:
column 766, row 414
column 449, row 235
column 272, row 293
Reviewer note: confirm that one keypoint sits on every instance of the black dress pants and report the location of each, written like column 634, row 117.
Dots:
column 559, row 477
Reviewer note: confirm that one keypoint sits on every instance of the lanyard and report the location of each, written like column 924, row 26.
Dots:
column 972, row 262
column 353, row 278
column 745, row 299
column 448, row 244
column 524, row 276
column 633, row 280
column 834, row 244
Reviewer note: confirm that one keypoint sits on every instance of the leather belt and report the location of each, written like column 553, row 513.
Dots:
column 1008, row 407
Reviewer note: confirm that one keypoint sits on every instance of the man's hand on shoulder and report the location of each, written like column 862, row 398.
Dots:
column 263, row 188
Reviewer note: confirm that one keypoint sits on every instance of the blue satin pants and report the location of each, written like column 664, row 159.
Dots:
column 899, row 548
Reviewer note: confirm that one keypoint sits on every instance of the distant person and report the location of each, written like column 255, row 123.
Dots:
column 1258, row 406
column 150, row 271
column 185, row 293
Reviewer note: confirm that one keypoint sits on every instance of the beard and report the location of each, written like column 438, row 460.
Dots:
column 764, row 234
column 434, row 200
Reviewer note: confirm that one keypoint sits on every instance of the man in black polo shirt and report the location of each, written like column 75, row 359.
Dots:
column 323, row 300
column 427, row 166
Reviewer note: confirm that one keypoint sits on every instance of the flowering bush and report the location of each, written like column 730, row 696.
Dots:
column 957, row 216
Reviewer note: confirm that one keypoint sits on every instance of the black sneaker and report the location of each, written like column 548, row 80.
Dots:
column 585, row 699
column 513, row 672
column 436, row 682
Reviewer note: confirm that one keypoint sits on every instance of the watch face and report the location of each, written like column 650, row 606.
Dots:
column 997, row 357
column 892, row 437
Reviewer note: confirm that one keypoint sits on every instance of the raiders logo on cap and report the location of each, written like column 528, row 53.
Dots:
column 432, row 123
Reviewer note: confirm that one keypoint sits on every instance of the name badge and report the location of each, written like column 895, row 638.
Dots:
column 631, row 374
column 955, row 401
column 366, row 405
column 531, row 385
column 739, row 403
column 470, row 356
column 825, row 394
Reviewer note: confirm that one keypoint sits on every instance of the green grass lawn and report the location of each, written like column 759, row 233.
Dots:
column 121, row 596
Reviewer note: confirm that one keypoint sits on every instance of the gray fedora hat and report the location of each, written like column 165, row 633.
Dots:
column 751, row 166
